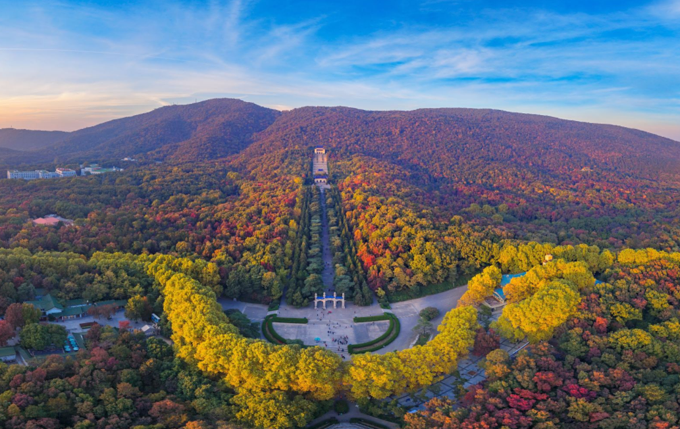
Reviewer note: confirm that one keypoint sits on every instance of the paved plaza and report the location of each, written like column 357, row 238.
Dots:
column 73, row 325
column 332, row 323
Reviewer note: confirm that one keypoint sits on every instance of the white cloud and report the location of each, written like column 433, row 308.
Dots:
column 669, row 9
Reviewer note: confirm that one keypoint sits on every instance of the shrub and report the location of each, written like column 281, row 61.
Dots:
column 341, row 406
column 372, row 318
column 272, row 336
column 429, row 313
column 302, row 320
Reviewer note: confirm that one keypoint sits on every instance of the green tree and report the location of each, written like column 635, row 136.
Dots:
column 137, row 308
column 35, row 336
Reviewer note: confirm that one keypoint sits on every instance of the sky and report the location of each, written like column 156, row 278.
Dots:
column 69, row 64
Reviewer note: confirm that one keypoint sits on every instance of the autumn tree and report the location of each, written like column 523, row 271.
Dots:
column 19, row 315
column 537, row 316
column 138, row 308
column 7, row 332
column 482, row 286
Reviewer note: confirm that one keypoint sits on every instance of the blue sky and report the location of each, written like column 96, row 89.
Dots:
column 69, row 64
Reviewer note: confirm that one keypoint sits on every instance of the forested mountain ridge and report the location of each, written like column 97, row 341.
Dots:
column 427, row 188
column 27, row 140
column 437, row 140
column 200, row 131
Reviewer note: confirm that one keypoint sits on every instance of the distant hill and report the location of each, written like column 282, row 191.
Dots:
column 207, row 130
column 28, row 140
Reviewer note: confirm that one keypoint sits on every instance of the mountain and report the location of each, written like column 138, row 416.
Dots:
column 433, row 144
column 28, row 140
column 206, row 130
column 447, row 143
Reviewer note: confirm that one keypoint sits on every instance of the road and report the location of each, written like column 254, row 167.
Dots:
column 408, row 314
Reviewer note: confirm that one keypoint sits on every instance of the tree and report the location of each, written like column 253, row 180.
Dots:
column 7, row 332
column 429, row 313
column 19, row 315
column 423, row 327
column 486, row 342
column 138, row 307
column 497, row 364
column 246, row 328
column 538, row 316
column 169, row 413
column 273, row 410
column 35, row 336
column 106, row 310
column 482, row 286
column 57, row 334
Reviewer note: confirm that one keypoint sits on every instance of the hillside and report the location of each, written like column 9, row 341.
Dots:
column 425, row 190
column 443, row 142
column 28, row 140
column 207, row 130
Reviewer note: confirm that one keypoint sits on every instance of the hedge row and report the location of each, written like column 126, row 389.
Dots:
column 270, row 333
column 390, row 335
column 372, row 318
column 368, row 423
column 301, row 321
column 272, row 336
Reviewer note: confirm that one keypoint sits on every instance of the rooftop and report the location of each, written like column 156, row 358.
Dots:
column 51, row 220
column 7, row 351
column 46, row 303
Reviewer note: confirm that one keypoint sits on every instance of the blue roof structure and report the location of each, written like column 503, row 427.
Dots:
column 505, row 280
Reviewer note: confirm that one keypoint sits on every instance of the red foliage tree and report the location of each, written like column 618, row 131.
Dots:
column 486, row 342
column 7, row 332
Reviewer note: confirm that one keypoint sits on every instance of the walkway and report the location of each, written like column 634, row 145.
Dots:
column 254, row 312
column 469, row 371
column 408, row 313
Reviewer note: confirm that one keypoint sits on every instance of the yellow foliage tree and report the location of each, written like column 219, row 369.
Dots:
column 482, row 286
column 538, row 316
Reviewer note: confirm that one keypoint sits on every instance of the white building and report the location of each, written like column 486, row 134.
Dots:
column 40, row 174
column 65, row 172
column 26, row 175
